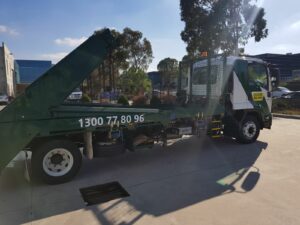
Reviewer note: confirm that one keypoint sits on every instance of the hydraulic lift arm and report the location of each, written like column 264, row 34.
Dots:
column 18, row 121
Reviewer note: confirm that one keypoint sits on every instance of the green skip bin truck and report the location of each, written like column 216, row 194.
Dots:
column 216, row 96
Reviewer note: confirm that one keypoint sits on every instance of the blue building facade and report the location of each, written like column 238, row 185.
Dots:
column 30, row 70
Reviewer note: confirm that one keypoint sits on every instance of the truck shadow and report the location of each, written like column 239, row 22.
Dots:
column 159, row 181
column 222, row 169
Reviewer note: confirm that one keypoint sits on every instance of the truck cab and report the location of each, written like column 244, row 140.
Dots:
column 247, row 80
column 242, row 85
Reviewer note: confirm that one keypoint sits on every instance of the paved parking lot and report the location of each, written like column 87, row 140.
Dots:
column 193, row 181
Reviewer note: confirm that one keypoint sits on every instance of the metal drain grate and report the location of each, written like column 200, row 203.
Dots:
column 103, row 193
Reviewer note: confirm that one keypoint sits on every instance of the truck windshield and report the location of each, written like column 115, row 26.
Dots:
column 258, row 75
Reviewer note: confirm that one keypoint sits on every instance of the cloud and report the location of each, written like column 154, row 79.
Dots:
column 286, row 48
column 71, row 42
column 281, row 40
column 8, row 30
column 260, row 3
column 282, row 48
column 54, row 57
column 295, row 25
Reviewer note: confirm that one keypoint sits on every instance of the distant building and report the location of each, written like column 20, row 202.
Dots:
column 296, row 73
column 285, row 63
column 7, row 72
column 30, row 70
column 155, row 78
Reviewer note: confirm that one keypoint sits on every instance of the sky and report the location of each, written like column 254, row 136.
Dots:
column 50, row 29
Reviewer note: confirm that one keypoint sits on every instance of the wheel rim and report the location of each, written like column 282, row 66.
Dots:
column 249, row 129
column 58, row 162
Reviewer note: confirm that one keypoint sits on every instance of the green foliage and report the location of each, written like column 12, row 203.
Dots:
column 123, row 100
column 85, row 98
column 133, row 51
column 220, row 25
column 138, row 49
column 169, row 70
column 169, row 100
column 280, row 104
column 155, row 101
column 135, row 81
column 139, row 100
column 168, row 65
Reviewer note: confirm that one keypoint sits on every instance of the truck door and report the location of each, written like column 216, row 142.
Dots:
column 259, row 83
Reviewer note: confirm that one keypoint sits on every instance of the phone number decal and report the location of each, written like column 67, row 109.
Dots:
column 108, row 120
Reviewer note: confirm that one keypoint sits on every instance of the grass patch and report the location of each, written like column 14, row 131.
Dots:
column 286, row 106
column 288, row 111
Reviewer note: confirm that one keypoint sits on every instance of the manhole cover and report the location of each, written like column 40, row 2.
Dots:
column 103, row 193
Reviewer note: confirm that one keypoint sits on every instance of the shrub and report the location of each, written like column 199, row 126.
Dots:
column 169, row 100
column 135, row 81
column 123, row 100
column 280, row 104
column 139, row 100
column 155, row 101
column 85, row 98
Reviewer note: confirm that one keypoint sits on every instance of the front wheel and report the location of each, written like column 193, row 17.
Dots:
column 56, row 161
column 248, row 130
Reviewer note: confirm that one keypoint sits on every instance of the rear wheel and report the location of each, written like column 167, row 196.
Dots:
column 56, row 161
column 249, row 130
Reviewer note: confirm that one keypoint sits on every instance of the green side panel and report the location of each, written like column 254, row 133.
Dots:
column 66, row 119
column 13, row 138
column 18, row 121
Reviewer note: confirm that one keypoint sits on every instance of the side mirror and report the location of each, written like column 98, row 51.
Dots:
column 275, row 77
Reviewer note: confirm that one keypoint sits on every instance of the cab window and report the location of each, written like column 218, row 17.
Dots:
column 257, row 74
column 200, row 75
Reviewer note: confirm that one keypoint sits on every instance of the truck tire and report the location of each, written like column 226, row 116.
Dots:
column 249, row 130
column 56, row 161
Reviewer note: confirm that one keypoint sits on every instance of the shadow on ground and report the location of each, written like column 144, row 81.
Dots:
column 159, row 181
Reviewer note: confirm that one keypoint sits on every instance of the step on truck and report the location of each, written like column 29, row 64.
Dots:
column 217, row 96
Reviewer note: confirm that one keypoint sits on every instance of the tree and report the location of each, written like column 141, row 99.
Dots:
column 169, row 70
column 135, row 82
column 139, row 49
column 197, row 32
column 133, row 51
column 104, row 78
column 212, row 25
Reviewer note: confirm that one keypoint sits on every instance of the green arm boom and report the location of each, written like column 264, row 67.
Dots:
column 17, row 126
